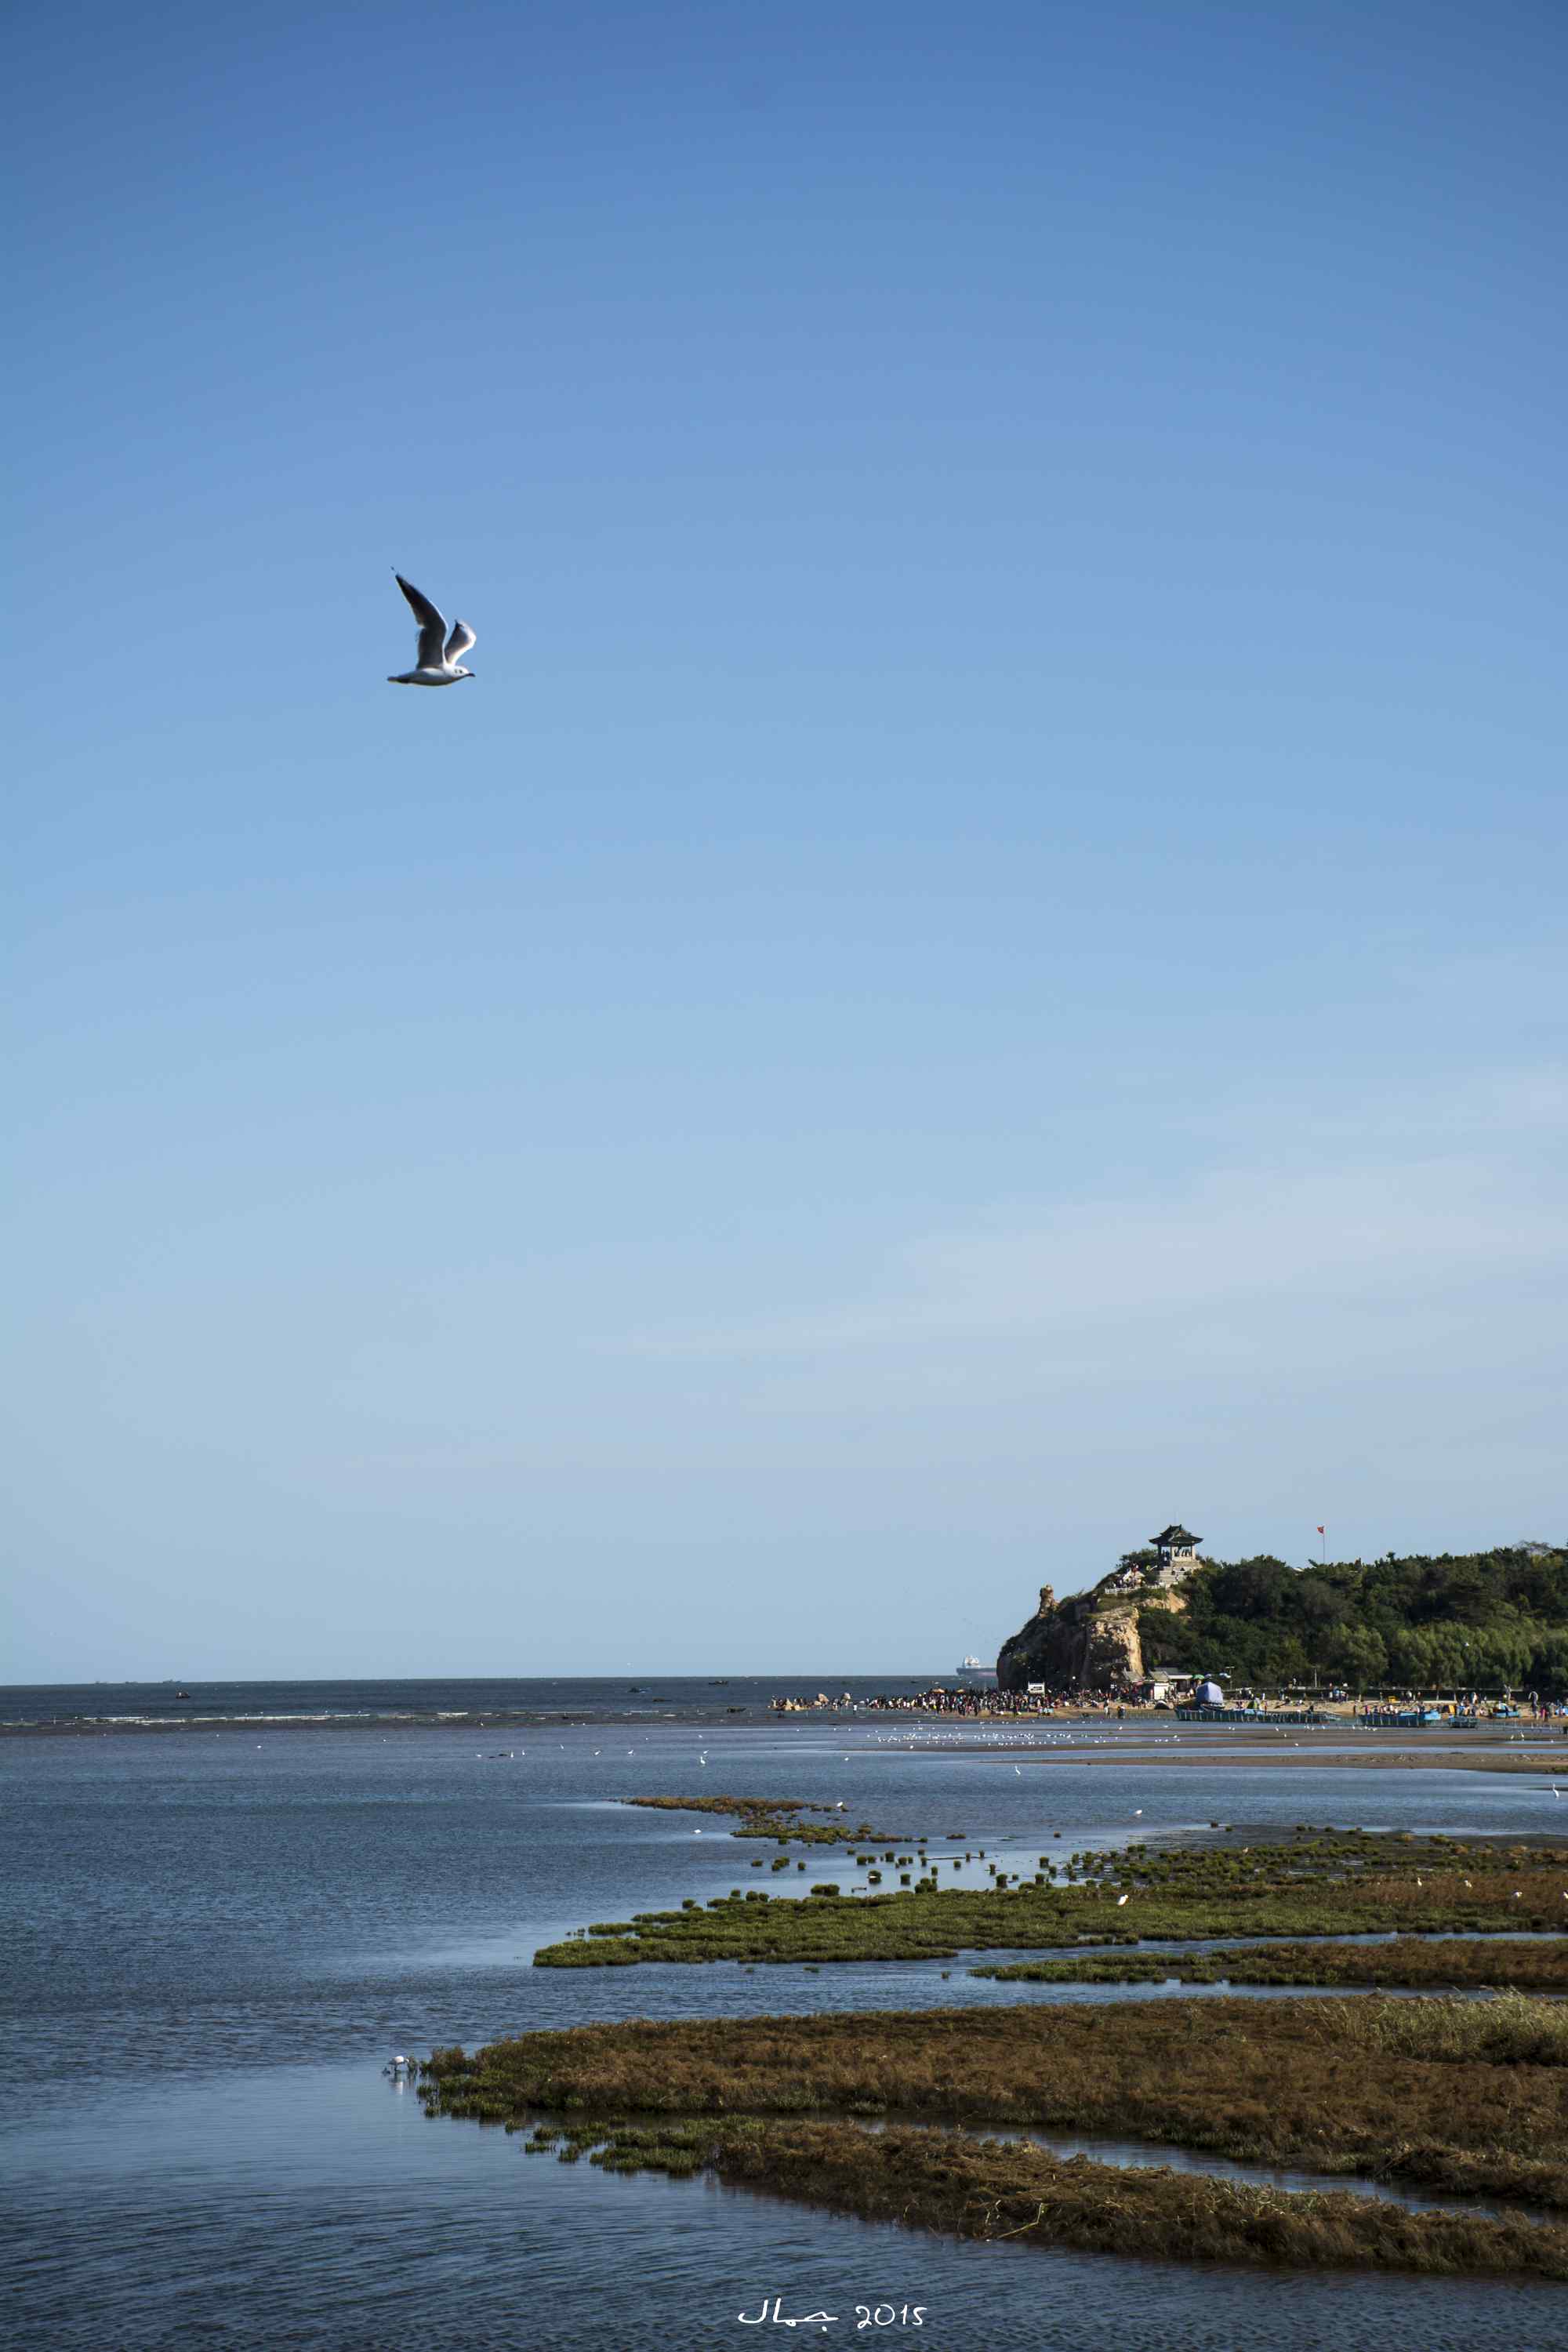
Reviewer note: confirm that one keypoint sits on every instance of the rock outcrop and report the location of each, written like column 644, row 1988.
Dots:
column 1090, row 1642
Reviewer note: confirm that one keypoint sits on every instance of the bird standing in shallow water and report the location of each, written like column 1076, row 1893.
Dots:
column 438, row 663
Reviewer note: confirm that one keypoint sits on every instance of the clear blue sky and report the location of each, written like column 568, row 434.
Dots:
column 982, row 966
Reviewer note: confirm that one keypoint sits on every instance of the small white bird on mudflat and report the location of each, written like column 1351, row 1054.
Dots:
column 438, row 663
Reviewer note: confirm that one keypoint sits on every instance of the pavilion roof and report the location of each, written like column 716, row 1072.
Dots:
column 1176, row 1534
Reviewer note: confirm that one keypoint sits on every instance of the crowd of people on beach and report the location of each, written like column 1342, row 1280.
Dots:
column 964, row 1699
column 961, row 1699
column 972, row 1700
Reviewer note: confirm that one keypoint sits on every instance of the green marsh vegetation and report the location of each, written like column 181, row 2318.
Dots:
column 1415, row 1963
column 1317, row 1882
column 1448, row 2095
column 1445, row 2096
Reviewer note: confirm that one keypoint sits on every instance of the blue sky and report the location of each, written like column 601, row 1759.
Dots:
column 982, row 966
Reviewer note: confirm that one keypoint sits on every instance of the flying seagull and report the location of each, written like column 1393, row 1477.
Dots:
column 439, row 655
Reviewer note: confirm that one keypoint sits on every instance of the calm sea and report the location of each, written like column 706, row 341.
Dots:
column 214, row 1939
column 697, row 1699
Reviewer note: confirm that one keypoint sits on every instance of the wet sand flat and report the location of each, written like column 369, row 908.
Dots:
column 1251, row 1752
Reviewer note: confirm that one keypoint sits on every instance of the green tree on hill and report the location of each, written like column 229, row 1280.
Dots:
column 1474, row 1620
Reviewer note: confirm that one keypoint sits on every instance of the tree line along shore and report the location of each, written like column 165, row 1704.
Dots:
column 1488, row 1622
column 1473, row 1625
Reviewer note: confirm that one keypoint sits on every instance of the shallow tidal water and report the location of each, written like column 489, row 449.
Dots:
column 214, row 1940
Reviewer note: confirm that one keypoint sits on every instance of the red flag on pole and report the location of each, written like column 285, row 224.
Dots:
column 1322, row 1531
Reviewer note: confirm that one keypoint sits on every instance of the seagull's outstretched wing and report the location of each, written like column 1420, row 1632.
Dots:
column 462, row 638
column 432, row 627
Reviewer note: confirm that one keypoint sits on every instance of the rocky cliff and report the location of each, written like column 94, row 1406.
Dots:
column 1090, row 1641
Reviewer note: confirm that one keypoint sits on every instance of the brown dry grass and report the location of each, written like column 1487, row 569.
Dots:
column 992, row 2188
column 1451, row 2094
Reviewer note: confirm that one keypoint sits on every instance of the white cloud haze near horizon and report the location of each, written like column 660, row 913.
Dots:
column 1251, row 1349
column 983, row 965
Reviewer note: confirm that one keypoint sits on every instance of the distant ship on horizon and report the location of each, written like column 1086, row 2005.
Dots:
column 972, row 1668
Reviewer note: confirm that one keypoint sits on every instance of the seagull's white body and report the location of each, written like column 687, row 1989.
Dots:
column 437, row 663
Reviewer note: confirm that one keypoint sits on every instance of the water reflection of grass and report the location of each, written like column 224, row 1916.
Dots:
column 1445, row 2096
column 1315, row 1884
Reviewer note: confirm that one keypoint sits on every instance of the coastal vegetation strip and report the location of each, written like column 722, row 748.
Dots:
column 778, row 1818
column 1443, row 1964
column 1454, row 1622
column 996, row 2188
column 1449, row 2096
column 1317, row 1883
